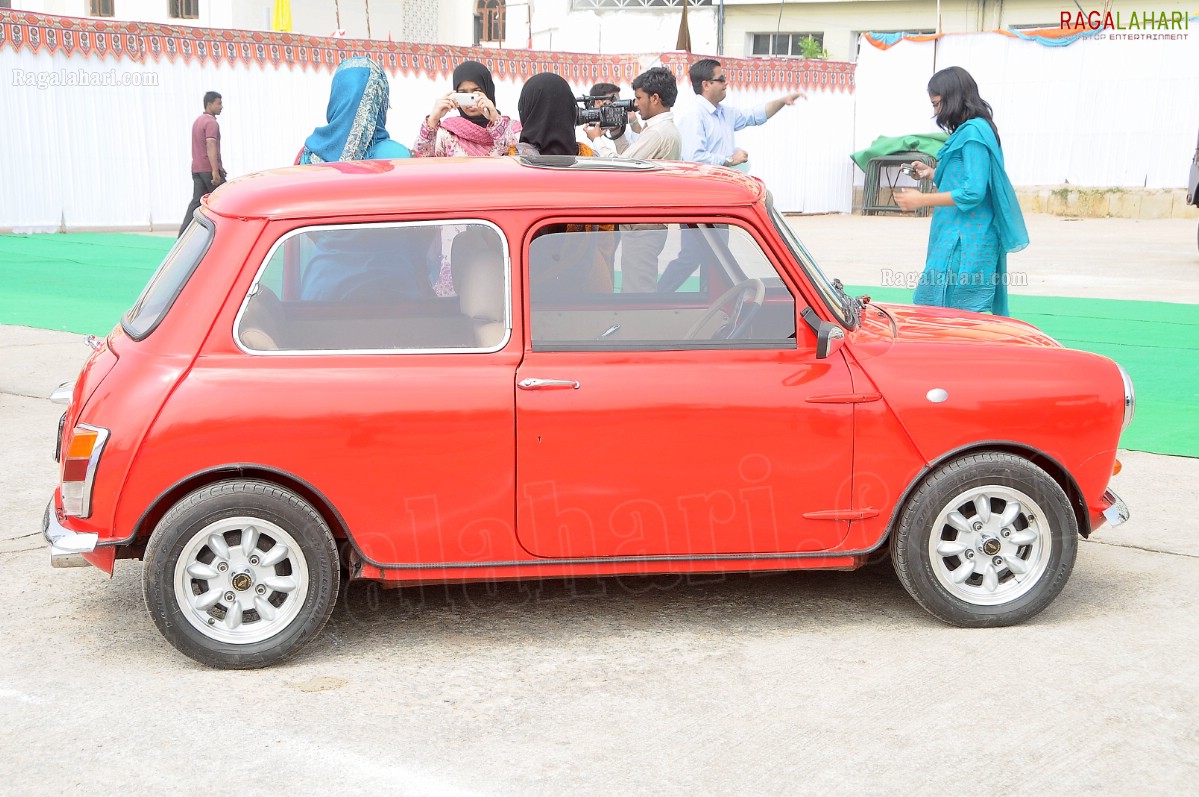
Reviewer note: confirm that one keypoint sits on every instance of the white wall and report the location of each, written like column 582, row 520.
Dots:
column 309, row 17
column 1098, row 113
column 212, row 13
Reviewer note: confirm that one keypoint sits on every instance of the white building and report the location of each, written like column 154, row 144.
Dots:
column 594, row 26
column 737, row 28
column 425, row 21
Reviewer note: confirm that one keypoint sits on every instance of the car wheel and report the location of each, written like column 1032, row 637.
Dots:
column 240, row 574
column 986, row 540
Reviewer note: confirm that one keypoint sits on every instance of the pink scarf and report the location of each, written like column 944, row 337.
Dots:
column 475, row 140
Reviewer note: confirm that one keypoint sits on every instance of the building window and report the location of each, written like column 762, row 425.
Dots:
column 602, row 5
column 489, row 20
column 185, row 9
column 96, row 8
column 789, row 45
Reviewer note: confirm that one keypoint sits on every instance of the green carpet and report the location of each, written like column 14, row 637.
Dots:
column 81, row 282
column 84, row 282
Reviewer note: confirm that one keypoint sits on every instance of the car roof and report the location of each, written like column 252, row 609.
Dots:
column 464, row 186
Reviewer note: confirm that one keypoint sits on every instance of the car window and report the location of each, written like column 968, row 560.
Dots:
column 655, row 286
column 168, row 280
column 417, row 287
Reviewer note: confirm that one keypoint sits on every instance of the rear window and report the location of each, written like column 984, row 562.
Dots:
column 174, row 272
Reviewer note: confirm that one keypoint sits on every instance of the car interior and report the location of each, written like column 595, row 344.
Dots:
column 422, row 287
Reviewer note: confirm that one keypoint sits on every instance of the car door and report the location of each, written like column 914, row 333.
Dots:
column 374, row 367
column 687, row 422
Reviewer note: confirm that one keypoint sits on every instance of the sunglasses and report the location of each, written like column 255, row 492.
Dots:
column 721, row 79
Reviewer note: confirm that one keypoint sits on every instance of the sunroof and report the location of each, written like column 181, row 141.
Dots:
column 586, row 164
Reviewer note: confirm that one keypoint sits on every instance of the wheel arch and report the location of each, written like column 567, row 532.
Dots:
column 136, row 541
column 1051, row 466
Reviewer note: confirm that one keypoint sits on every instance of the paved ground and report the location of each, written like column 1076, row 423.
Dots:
column 1151, row 260
column 811, row 683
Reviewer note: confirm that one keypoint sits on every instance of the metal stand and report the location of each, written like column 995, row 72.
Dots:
column 882, row 178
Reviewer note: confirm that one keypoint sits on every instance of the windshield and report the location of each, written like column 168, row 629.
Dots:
column 172, row 274
column 846, row 308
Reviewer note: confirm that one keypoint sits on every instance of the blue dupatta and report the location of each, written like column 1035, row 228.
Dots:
column 357, row 116
column 1009, row 220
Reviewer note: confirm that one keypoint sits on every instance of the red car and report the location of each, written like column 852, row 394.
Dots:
column 449, row 370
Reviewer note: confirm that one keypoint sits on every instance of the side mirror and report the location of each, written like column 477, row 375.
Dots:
column 829, row 336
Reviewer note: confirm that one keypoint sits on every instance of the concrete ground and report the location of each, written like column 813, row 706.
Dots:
column 1151, row 260
column 808, row 683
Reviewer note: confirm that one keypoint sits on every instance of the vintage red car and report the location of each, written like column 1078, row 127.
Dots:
column 450, row 370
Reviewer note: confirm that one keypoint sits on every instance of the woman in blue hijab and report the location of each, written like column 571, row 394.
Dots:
column 976, row 219
column 357, row 117
column 359, row 265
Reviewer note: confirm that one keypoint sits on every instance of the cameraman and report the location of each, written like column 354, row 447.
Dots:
column 605, row 145
column 642, row 244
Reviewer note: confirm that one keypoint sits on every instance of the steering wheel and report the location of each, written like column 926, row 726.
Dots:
column 748, row 295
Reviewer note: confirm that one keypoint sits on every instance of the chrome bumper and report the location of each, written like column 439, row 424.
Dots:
column 1118, row 512
column 66, row 547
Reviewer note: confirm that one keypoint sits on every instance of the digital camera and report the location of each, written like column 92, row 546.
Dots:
column 464, row 100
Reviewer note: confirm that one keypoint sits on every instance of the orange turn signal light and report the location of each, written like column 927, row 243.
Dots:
column 1117, row 467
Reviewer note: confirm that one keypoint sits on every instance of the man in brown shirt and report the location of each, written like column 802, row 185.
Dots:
column 207, row 170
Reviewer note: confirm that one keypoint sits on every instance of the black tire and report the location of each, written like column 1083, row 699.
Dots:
column 1041, row 539
column 266, row 602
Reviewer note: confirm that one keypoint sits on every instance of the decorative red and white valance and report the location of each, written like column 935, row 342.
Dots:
column 143, row 42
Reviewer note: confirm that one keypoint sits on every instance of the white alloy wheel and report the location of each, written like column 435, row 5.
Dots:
column 241, row 580
column 240, row 574
column 993, row 545
column 987, row 539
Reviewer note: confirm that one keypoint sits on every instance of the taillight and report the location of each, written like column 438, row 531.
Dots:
column 79, row 469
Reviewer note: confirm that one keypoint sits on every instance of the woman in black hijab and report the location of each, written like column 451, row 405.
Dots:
column 478, row 130
column 547, row 112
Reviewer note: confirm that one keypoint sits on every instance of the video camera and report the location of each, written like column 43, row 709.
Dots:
column 612, row 117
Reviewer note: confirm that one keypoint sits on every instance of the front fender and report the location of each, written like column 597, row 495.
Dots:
column 1068, row 405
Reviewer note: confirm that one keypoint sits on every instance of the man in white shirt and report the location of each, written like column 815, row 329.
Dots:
column 642, row 244
column 655, row 92
column 708, row 137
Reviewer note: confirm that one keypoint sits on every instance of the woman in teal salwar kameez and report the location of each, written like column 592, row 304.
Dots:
column 976, row 219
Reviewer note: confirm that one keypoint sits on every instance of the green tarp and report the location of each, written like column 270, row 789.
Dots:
column 927, row 143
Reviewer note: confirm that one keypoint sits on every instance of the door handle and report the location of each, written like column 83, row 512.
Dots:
column 547, row 384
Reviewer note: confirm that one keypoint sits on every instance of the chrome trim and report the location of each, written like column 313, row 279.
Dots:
column 534, row 383
column 1118, row 512
column 598, row 560
column 1130, row 397
column 66, row 547
column 449, row 222
column 62, row 394
column 94, row 343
